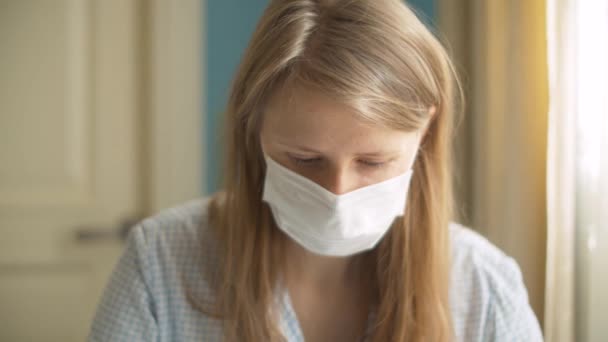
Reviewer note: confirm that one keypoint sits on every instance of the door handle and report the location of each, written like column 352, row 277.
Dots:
column 120, row 232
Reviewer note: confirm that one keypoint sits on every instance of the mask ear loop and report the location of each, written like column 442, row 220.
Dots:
column 417, row 152
column 421, row 142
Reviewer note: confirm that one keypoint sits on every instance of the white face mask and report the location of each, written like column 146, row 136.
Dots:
column 328, row 224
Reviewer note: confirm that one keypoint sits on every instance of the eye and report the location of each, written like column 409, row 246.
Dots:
column 304, row 161
column 372, row 164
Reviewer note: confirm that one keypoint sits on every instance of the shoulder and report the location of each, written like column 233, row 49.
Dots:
column 480, row 265
column 177, row 254
column 472, row 251
column 488, row 297
column 184, row 223
column 176, row 240
column 163, row 266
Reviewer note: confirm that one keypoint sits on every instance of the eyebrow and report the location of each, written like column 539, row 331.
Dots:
column 302, row 148
column 379, row 154
column 363, row 154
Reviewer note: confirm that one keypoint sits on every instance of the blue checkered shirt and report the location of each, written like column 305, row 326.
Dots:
column 144, row 299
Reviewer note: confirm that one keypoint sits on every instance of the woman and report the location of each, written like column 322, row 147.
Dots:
column 334, row 222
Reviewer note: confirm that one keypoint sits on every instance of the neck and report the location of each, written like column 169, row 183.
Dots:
column 319, row 271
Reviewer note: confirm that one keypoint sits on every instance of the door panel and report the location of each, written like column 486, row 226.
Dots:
column 70, row 155
column 43, row 103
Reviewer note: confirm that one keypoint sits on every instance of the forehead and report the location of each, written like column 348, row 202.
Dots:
column 313, row 119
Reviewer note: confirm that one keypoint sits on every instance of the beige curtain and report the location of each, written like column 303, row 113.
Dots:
column 500, row 47
column 577, row 251
column 561, row 188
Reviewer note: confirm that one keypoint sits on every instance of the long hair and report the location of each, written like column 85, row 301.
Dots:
column 378, row 58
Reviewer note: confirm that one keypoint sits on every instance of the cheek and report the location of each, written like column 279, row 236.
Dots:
column 374, row 176
column 269, row 150
column 280, row 157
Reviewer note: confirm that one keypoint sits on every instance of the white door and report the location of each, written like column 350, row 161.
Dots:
column 70, row 150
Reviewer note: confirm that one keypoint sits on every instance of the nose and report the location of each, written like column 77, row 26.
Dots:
column 339, row 181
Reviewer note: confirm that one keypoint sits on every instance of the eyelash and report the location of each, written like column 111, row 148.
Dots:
column 310, row 161
column 304, row 161
column 372, row 164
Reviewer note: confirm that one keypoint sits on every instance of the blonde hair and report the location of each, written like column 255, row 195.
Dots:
column 377, row 57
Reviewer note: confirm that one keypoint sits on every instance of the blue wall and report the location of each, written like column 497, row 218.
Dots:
column 229, row 25
column 426, row 10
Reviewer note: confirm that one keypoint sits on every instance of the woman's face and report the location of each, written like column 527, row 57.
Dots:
column 323, row 141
